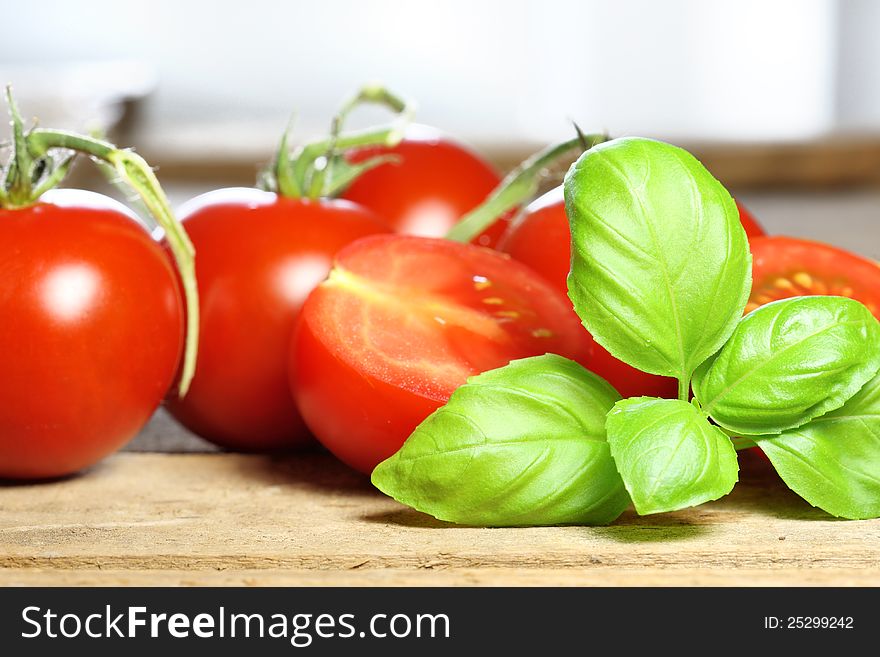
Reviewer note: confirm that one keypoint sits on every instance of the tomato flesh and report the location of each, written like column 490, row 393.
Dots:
column 401, row 323
column 258, row 258
column 91, row 336
column 435, row 182
column 784, row 267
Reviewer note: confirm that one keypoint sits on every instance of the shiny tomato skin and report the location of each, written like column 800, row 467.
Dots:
column 369, row 419
column 784, row 267
column 402, row 322
column 91, row 336
column 258, row 256
column 540, row 238
column 435, row 182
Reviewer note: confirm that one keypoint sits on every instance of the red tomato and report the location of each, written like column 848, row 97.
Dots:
column 751, row 225
column 435, row 183
column 401, row 323
column 258, row 257
column 785, row 267
column 540, row 238
column 91, row 335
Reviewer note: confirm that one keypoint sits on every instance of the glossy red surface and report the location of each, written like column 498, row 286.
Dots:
column 258, row 258
column 401, row 323
column 91, row 335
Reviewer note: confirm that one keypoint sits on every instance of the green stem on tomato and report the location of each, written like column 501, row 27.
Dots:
column 372, row 94
column 304, row 173
column 286, row 182
column 135, row 171
column 58, row 174
column 518, row 187
column 377, row 94
column 20, row 174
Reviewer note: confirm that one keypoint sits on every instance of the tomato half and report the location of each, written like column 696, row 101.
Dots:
column 785, row 267
column 540, row 238
column 403, row 321
column 91, row 335
column 258, row 257
column 436, row 182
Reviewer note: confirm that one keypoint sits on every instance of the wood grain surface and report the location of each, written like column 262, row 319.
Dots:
column 217, row 519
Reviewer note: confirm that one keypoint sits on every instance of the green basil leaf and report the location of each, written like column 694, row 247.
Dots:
column 520, row 445
column 788, row 362
column 834, row 461
column 660, row 266
column 669, row 455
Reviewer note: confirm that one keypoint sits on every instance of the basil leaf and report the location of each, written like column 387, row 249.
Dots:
column 669, row 455
column 660, row 266
column 520, row 445
column 788, row 362
column 834, row 461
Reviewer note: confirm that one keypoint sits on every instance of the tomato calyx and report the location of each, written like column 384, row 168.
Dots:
column 319, row 169
column 27, row 175
column 40, row 160
column 520, row 186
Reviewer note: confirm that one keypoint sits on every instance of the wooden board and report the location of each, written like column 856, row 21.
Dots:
column 217, row 519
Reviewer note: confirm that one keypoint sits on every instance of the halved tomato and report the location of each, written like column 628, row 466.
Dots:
column 785, row 267
column 403, row 321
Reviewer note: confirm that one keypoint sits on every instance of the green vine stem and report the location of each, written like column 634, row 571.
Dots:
column 318, row 168
column 134, row 171
column 518, row 187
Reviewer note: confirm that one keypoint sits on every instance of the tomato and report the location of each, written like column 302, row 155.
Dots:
column 401, row 323
column 540, row 238
column 435, row 183
column 748, row 221
column 91, row 336
column 258, row 257
column 785, row 267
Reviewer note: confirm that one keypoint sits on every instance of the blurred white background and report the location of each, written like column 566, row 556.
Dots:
column 490, row 71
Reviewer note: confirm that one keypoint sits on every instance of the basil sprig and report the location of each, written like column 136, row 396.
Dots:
column 660, row 274
column 660, row 266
